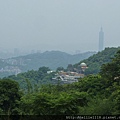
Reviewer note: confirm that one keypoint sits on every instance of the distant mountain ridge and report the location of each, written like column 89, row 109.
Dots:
column 51, row 59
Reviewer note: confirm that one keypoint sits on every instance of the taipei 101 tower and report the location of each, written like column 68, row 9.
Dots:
column 101, row 40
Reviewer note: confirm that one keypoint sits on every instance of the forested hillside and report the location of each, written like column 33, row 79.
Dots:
column 33, row 78
column 95, row 61
column 92, row 95
column 40, row 76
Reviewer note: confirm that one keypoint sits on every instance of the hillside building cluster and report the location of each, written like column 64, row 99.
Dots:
column 70, row 76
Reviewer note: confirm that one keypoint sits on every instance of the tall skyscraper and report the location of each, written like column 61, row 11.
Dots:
column 101, row 40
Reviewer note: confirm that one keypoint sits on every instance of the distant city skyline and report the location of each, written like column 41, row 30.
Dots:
column 63, row 25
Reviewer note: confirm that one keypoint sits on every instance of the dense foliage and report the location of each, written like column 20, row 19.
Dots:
column 92, row 95
column 34, row 78
column 9, row 97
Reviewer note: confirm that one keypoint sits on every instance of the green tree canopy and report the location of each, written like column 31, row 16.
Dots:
column 111, row 70
column 9, row 96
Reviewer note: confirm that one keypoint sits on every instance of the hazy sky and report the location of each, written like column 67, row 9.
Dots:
column 66, row 25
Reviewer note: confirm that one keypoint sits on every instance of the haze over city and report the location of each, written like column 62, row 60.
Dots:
column 65, row 25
